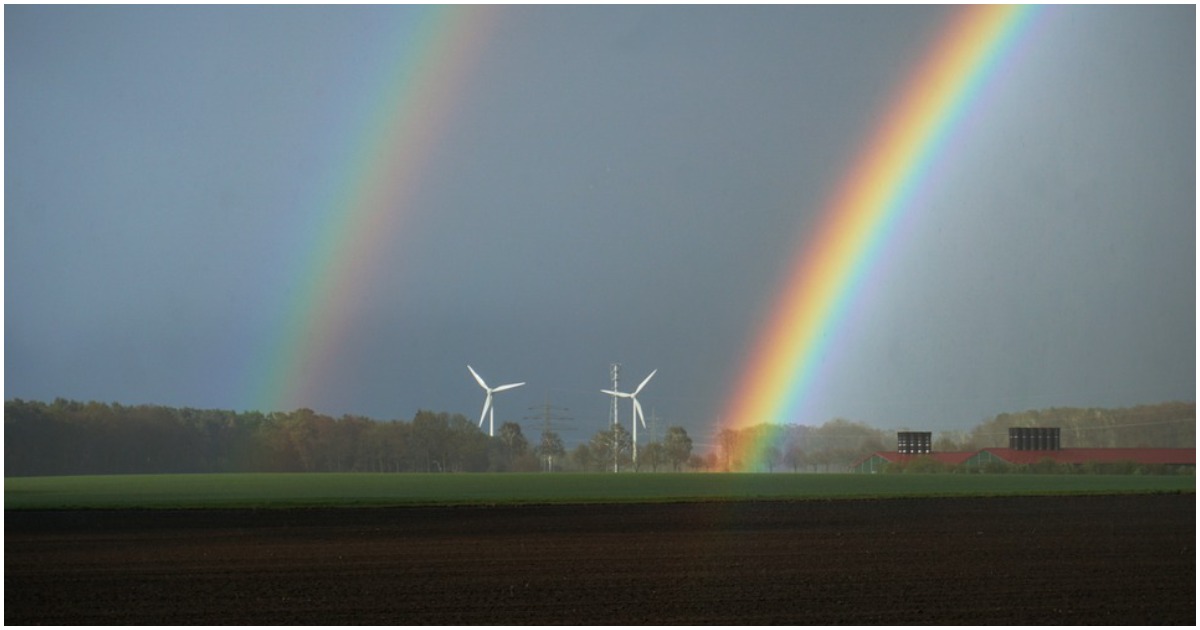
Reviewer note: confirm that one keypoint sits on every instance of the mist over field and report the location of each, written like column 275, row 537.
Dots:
column 74, row 438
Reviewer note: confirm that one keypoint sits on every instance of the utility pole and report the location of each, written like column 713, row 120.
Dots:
column 547, row 416
column 615, row 371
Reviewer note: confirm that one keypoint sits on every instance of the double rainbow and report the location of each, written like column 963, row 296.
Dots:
column 367, row 204
column 830, row 267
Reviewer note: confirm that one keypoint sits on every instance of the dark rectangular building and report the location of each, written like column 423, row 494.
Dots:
column 914, row 442
column 1034, row 438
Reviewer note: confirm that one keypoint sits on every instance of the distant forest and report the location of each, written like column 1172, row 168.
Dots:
column 69, row 437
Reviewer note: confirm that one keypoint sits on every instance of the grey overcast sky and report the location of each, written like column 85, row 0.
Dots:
column 614, row 183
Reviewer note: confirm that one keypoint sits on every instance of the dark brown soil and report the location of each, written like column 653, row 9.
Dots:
column 1032, row 560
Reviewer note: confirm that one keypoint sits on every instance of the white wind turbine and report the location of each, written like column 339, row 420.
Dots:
column 637, row 408
column 487, row 402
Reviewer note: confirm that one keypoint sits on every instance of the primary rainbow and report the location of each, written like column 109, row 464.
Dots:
column 830, row 267
column 366, row 202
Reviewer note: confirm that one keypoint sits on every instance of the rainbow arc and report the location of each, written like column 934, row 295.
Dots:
column 830, row 267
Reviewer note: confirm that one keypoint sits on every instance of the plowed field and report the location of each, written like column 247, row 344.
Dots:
column 1022, row 560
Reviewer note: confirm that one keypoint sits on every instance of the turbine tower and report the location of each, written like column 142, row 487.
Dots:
column 489, row 410
column 616, row 371
column 637, row 409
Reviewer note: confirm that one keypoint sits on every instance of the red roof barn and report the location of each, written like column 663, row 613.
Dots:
column 1173, row 456
column 875, row 462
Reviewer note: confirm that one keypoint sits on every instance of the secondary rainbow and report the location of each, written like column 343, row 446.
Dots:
column 366, row 202
column 831, row 264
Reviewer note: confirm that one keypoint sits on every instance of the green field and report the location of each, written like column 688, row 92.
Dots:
column 373, row 489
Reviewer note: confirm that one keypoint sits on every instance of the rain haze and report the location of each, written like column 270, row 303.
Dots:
column 596, row 185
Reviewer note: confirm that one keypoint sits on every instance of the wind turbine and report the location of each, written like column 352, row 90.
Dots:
column 487, row 402
column 637, row 408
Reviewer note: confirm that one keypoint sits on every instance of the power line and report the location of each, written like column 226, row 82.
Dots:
column 549, row 415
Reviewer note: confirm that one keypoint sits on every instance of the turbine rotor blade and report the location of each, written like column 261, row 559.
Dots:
column 617, row 394
column 478, row 378
column 637, row 410
column 487, row 402
column 639, row 387
column 509, row 386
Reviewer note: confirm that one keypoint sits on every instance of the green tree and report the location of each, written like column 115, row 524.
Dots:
column 795, row 458
column 622, row 439
column 513, row 439
column 612, row 448
column 468, row 445
column 583, row 457
column 428, row 446
column 381, row 447
column 821, row 457
column 550, row 448
column 678, row 447
column 286, row 437
column 771, row 456
column 653, row 455
column 951, row 441
column 601, row 448
column 509, row 446
column 728, row 440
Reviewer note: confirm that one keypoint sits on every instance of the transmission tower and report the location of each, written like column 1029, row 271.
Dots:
column 548, row 416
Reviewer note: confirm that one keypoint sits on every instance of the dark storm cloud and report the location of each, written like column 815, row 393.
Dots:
column 617, row 184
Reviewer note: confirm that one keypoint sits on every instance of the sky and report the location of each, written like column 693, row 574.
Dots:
column 581, row 186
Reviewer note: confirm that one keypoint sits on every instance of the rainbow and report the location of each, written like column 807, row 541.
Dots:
column 833, row 263
column 366, row 202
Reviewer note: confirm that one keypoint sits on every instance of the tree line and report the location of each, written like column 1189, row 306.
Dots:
column 837, row 444
column 71, row 437
column 830, row 447
column 1163, row 425
column 612, row 449
column 68, row 437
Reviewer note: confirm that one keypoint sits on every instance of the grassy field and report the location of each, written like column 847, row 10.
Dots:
column 372, row 489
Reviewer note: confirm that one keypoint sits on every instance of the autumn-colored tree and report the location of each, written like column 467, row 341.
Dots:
column 550, row 449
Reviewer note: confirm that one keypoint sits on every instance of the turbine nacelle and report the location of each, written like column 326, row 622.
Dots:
column 487, row 401
column 637, row 406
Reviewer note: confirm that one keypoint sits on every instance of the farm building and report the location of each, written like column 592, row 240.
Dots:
column 914, row 442
column 1027, row 446
column 1171, row 457
column 1080, row 456
column 877, row 461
